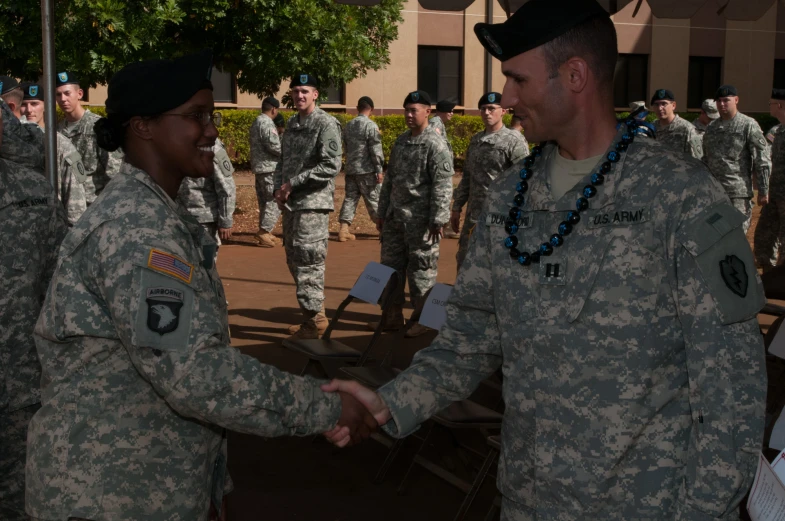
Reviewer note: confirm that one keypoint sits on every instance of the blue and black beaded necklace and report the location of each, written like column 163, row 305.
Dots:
column 545, row 249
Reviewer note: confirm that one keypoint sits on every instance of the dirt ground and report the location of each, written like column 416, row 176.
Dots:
column 305, row 478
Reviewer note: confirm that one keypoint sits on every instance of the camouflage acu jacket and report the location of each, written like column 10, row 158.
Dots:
column 211, row 199
column 265, row 145
column 364, row 154
column 680, row 135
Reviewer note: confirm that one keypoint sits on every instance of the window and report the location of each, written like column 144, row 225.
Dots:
column 334, row 95
column 439, row 72
column 779, row 74
column 223, row 87
column 705, row 76
column 631, row 79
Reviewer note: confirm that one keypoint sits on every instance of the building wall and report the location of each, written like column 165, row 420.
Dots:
column 747, row 49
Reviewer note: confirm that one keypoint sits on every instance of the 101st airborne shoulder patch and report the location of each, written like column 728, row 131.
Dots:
column 163, row 309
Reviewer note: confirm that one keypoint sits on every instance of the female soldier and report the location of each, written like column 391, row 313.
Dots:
column 139, row 379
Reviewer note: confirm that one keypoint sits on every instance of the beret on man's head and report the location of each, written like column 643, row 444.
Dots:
column 725, row 91
column 490, row 98
column 273, row 102
column 663, row 95
column 418, row 96
column 7, row 84
column 778, row 94
column 66, row 78
column 32, row 91
column 445, row 106
column 152, row 87
column 304, row 80
column 278, row 121
column 365, row 100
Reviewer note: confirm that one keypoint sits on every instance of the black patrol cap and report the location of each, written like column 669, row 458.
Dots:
column 7, row 84
column 490, row 98
column 304, row 80
column 725, row 91
column 279, row 121
column 535, row 23
column 152, row 87
column 418, row 96
column 662, row 95
column 445, row 106
column 66, row 78
column 32, row 91
column 365, row 100
column 273, row 102
column 778, row 94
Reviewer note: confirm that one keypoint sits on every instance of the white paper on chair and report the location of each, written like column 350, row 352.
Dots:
column 767, row 499
column 777, row 347
column 372, row 281
column 433, row 313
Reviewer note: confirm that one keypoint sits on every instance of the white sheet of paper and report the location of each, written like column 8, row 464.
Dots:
column 767, row 500
column 371, row 283
column 433, row 313
column 778, row 466
column 777, row 440
column 777, row 347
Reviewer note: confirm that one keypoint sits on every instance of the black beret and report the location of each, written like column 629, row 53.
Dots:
column 279, row 121
column 66, row 78
column 7, row 84
column 32, row 91
column 304, row 80
column 152, row 87
column 445, row 106
column 778, row 94
column 418, row 96
column 490, row 98
column 725, row 91
column 535, row 23
column 365, row 99
column 662, row 94
column 272, row 102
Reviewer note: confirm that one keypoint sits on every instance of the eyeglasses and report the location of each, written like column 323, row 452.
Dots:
column 202, row 117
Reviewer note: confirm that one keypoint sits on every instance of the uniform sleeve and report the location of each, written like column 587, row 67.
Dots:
column 278, row 174
column 272, row 142
column 72, row 193
column 761, row 156
column 520, row 149
column 466, row 352
column 227, row 198
column 57, row 230
column 718, row 294
column 694, row 142
column 375, row 148
column 441, row 172
column 255, row 139
column 174, row 339
column 328, row 153
column 386, row 190
column 461, row 195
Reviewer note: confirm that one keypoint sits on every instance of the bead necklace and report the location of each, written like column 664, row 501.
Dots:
column 574, row 216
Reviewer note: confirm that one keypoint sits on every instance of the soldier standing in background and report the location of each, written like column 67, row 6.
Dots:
column 305, row 188
column 734, row 148
column 414, row 206
column 770, row 231
column 265, row 155
column 280, row 124
column 364, row 164
column 515, row 122
column 490, row 152
column 211, row 200
column 673, row 131
column 77, row 126
column 708, row 114
column 442, row 114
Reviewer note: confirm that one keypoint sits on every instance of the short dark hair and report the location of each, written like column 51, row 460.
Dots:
column 266, row 107
column 15, row 95
column 363, row 105
column 593, row 40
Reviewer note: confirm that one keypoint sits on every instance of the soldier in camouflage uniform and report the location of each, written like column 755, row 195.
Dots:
column 634, row 378
column 211, row 200
column 304, row 188
column 364, row 163
column 70, row 170
column 672, row 130
column 414, row 206
column 490, row 153
column 139, row 379
column 770, row 231
column 442, row 115
column 265, row 155
column 33, row 226
column 708, row 114
column 734, row 148
column 77, row 126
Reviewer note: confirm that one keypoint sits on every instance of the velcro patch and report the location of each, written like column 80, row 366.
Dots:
column 619, row 217
column 171, row 265
column 500, row 219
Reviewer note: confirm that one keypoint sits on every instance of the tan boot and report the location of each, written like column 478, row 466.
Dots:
column 344, row 235
column 305, row 331
column 319, row 321
column 265, row 239
column 416, row 330
column 393, row 320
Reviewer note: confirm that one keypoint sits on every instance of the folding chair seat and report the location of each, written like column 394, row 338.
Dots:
column 494, row 444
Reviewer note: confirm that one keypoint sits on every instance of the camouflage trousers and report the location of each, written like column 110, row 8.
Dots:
column 13, row 456
column 405, row 247
column 268, row 208
column 305, row 235
column 744, row 206
column 463, row 241
column 512, row 511
column 770, row 234
column 364, row 185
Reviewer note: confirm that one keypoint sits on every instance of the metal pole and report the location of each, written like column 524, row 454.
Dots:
column 488, row 59
column 50, row 115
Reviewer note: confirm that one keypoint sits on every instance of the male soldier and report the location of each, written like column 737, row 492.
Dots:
column 708, row 114
column 770, row 232
column 70, row 170
column 673, row 131
column 490, row 153
column 364, row 162
column 280, row 124
column 622, row 313
column 33, row 226
column 414, row 206
column 515, row 123
column 211, row 200
column 265, row 155
column 304, row 188
column 734, row 147
column 77, row 126
column 443, row 114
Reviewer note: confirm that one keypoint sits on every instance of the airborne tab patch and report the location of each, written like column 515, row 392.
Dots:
column 163, row 309
column 171, row 265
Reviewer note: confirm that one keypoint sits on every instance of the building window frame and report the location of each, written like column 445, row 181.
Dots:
column 440, row 91
column 631, row 79
column 703, row 78
column 219, row 75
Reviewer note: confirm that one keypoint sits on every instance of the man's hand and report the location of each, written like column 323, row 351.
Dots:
column 379, row 224
column 225, row 233
column 455, row 220
column 763, row 200
column 355, row 424
column 342, row 434
column 379, row 178
column 436, row 233
column 283, row 193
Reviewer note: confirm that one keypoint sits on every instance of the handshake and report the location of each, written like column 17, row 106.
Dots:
column 362, row 411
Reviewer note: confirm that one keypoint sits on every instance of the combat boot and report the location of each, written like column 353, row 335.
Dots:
column 305, row 331
column 344, row 235
column 416, row 330
column 393, row 319
column 265, row 239
column 319, row 321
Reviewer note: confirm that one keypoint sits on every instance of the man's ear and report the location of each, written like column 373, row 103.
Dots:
column 576, row 73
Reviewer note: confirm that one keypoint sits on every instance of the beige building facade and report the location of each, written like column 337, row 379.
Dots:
column 437, row 51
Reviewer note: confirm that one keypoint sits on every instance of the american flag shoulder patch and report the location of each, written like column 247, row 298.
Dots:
column 171, row 265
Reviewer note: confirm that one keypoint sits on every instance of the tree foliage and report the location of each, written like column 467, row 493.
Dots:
column 262, row 42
